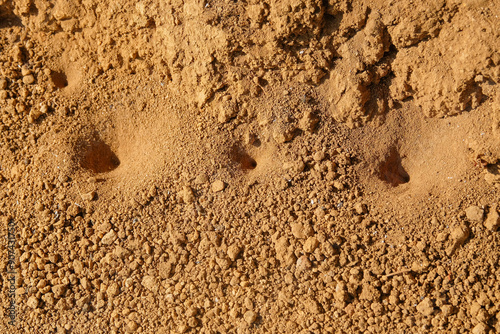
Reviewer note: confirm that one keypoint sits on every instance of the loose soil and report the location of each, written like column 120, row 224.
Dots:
column 270, row 166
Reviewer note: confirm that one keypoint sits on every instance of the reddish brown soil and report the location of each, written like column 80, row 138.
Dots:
column 276, row 166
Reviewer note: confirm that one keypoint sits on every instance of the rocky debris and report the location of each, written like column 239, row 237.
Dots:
column 227, row 110
column 187, row 195
column 109, row 238
column 426, row 307
column 233, row 251
column 283, row 134
column 480, row 328
column 474, row 213
column 218, row 186
column 302, row 231
column 310, row 244
column 492, row 174
column 492, row 221
column 150, row 283
column 306, row 242
column 308, row 122
column 250, row 317
column 458, row 236
column 360, row 208
column 32, row 302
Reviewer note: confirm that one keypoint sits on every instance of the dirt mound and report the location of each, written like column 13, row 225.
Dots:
column 257, row 166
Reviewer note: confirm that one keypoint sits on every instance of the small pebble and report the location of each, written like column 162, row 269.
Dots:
column 218, row 186
column 474, row 213
column 29, row 79
column 32, row 302
column 250, row 317
column 426, row 307
column 310, row 244
column 492, row 222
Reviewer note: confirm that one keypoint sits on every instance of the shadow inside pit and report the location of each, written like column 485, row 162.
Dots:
column 392, row 171
column 97, row 156
column 245, row 161
column 59, row 79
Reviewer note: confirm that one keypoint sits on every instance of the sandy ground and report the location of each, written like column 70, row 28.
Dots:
column 275, row 166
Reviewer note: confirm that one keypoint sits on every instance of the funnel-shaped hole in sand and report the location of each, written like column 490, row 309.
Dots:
column 243, row 159
column 96, row 156
column 59, row 79
column 391, row 170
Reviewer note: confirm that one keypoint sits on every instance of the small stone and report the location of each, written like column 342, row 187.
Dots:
column 192, row 322
column 201, row 178
column 29, row 79
column 25, row 71
column 32, row 302
column 48, row 298
column 34, row 115
column 59, row 290
column 301, row 231
column 341, row 294
column 63, row 111
column 369, row 292
column 89, row 196
column 338, row 185
column 303, row 264
column 165, row 269
column 360, row 208
column 474, row 308
column 319, row 156
column 42, row 284
column 294, row 167
column 150, row 283
column 187, row 195
column 310, row 244
column 249, row 138
column 447, row 310
column 458, row 236
column 250, row 317
column 227, row 111
column 492, row 175
column 73, row 210
column 217, row 186
column 419, row 266
column 62, row 304
column 4, row 95
column 83, row 301
column 283, row 135
column 182, row 328
column 426, row 307
column 313, row 306
column 121, row 252
column 131, row 326
column 480, row 328
column 474, row 213
column 319, row 213
column 85, row 283
column 78, row 267
column 109, row 238
column 492, row 222
column 3, row 83
column 44, row 108
column 308, row 122
column 233, row 251
column 113, row 290
column 482, row 315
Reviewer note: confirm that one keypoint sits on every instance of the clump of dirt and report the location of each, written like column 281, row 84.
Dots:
column 260, row 166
